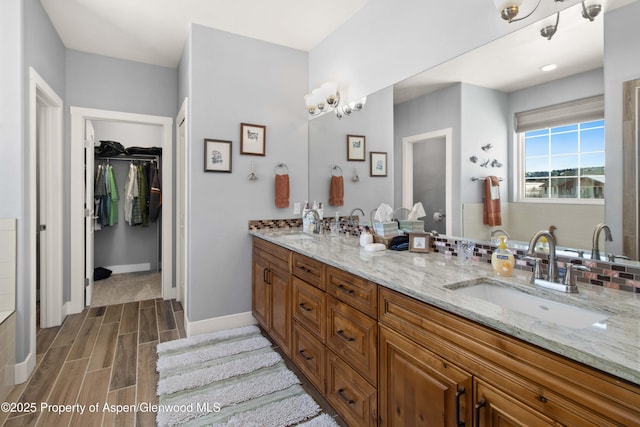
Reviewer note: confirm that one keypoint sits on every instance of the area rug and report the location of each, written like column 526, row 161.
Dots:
column 231, row 378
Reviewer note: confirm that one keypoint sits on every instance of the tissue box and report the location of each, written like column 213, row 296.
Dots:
column 386, row 229
column 411, row 226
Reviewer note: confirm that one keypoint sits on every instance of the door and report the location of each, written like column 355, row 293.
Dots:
column 418, row 388
column 429, row 169
column 41, row 221
column 89, row 220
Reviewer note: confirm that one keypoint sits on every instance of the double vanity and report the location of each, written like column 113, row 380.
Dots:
column 403, row 338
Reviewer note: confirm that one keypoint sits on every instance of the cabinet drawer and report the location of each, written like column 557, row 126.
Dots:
column 353, row 336
column 309, row 270
column 274, row 254
column 350, row 394
column 309, row 356
column 309, row 307
column 355, row 291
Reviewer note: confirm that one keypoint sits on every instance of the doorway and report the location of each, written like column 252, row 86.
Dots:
column 182, row 197
column 45, row 235
column 82, row 213
column 426, row 177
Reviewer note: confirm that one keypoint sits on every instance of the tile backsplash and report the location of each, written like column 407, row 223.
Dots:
column 602, row 273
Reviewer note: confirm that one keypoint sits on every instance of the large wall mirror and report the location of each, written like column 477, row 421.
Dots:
column 471, row 100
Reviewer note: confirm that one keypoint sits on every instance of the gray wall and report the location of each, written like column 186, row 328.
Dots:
column 30, row 41
column 95, row 81
column 237, row 80
column 439, row 110
column 328, row 147
column 621, row 63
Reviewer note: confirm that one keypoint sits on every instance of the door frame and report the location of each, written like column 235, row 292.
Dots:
column 407, row 169
column 182, row 186
column 77, row 211
column 49, row 131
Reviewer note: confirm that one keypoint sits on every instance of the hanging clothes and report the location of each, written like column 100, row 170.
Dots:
column 143, row 196
column 131, row 205
column 155, row 198
column 112, row 191
column 99, row 194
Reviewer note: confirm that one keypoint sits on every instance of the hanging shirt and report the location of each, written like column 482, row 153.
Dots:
column 155, row 201
column 132, row 196
column 113, row 197
column 142, row 191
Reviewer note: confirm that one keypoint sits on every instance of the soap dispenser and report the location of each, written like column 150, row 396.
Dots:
column 366, row 237
column 502, row 259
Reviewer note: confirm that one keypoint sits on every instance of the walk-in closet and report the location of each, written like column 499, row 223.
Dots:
column 127, row 213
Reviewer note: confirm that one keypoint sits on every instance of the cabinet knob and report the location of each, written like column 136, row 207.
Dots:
column 481, row 403
column 345, row 337
column 345, row 398
column 459, row 393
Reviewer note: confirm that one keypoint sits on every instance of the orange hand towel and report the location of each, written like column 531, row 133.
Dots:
column 492, row 214
column 336, row 191
column 282, row 191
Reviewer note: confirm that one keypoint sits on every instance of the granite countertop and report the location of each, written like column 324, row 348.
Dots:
column 612, row 346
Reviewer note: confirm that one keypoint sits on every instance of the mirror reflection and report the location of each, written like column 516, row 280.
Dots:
column 453, row 126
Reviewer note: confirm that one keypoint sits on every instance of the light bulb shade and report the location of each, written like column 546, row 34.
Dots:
column 319, row 98
column 311, row 103
column 330, row 93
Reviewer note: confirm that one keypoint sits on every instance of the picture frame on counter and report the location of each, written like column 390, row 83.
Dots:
column 217, row 156
column 378, row 163
column 419, row 242
column 253, row 139
column 356, row 146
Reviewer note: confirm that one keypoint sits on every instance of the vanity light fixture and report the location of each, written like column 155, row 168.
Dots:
column 327, row 98
column 509, row 9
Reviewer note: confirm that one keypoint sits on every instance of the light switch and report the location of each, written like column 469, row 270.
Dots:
column 296, row 208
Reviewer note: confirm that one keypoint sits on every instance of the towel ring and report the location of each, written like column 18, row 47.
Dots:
column 281, row 165
column 334, row 168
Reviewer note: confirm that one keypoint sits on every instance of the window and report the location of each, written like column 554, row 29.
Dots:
column 562, row 156
column 565, row 162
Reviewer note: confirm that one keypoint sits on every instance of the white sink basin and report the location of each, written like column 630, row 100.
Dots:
column 551, row 311
column 300, row 236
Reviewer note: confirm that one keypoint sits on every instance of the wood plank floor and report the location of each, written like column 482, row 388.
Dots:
column 102, row 355
column 106, row 355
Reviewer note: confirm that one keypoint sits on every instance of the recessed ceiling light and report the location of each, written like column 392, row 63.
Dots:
column 548, row 67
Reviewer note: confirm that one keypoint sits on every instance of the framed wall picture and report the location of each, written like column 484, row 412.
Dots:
column 378, row 166
column 356, row 148
column 217, row 156
column 419, row 242
column 253, row 139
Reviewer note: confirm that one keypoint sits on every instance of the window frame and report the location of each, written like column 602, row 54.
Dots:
column 521, row 179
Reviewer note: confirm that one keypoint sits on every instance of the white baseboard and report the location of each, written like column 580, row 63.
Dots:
column 24, row 369
column 129, row 268
column 218, row 323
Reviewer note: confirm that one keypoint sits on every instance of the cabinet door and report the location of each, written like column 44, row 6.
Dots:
column 280, row 328
column 495, row 408
column 260, row 294
column 308, row 353
column 418, row 388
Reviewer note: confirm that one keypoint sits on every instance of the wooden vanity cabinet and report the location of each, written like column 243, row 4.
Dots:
column 271, row 291
column 514, row 383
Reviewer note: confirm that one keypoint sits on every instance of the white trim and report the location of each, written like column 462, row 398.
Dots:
column 218, row 323
column 182, row 184
column 78, row 117
column 407, row 169
column 51, row 293
column 23, row 369
column 129, row 268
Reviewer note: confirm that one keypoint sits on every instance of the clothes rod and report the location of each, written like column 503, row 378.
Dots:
column 130, row 158
column 481, row 179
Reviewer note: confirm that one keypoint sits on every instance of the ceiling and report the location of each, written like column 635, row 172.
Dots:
column 513, row 62
column 155, row 31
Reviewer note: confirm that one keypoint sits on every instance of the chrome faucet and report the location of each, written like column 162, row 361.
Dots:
column 595, row 252
column 351, row 215
column 552, row 275
column 316, row 220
